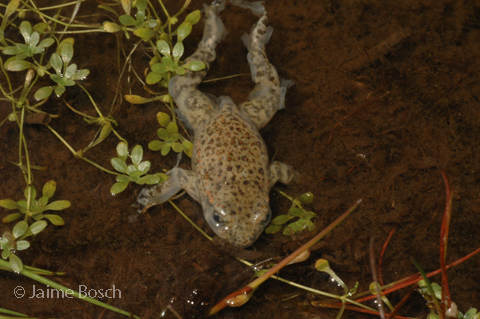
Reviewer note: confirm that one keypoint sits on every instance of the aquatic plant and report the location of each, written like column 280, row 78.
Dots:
column 135, row 172
column 304, row 217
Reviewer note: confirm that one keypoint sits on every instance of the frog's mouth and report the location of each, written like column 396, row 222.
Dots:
column 240, row 231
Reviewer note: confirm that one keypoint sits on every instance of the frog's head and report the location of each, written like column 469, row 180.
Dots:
column 238, row 222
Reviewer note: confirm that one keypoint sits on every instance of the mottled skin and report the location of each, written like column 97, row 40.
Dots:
column 231, row 176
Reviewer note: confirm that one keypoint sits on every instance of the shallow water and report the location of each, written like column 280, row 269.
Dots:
column 385, row 95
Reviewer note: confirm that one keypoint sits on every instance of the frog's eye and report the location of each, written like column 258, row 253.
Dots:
column 218, row 218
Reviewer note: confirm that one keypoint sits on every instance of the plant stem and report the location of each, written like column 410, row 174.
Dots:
column 77, row 155
column 248, row 290
column 49, row 283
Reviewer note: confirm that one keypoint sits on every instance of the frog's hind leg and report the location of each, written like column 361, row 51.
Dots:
column 193, row 104
column 269, row 93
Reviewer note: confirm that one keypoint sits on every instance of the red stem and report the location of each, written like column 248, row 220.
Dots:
column 380, row 259
column 444, row 239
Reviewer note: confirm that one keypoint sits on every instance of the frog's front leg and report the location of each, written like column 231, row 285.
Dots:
column 269, row 93
column 281, row 172
column 177, row 179
column 195, row 106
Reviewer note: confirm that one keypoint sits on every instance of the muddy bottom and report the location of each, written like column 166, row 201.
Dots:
column 386, row 96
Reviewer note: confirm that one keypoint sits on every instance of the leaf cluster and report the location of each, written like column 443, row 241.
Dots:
column 33, row 221
column 30, row 208
column 32, row 46
column 303, row 218
column 166, row 62
column 169, row 137
column 135, row 172
column 65, row 73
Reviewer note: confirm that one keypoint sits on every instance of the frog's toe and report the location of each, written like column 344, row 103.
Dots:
column 283, row 173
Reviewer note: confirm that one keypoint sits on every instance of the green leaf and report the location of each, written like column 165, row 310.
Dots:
column 46, row 43
column 15, row 263
column 126, row 20
column 470, row 314
column 136, row 99
column 141, row 5
column 162, row 177
column 148, row 179
column 11, row 217
column 38, row 226
column 20, row 228
column 187, row 147
column 144, row 33
column 194, row 65
column 59, row 90
column 180, row 70
column 55, row 219
column 122, row 152
column 119, row 165
column 57, row 78
column 193, row 17
column 123, row 178
column 172, row 128
column 49, row 188
column 8, row 204
column 40, row 27
column 22, row 245
column 159, row 68
column 80, row 74
column 43, row 93
column 34, row 39
column 177, row 52
column 43, row 201
column 6, row 254
column 111, row 27
column 183, row 31
column 163, row 119
column 174, row 137
column 143, row 167
column 67, row 52
column 70, row 71
column 306, row 198
column 165, row 150
column 137, row 154
column 18, row 65
column 30, row 190
column 163, row 48
column 177, row 147
column 295, row 211
column 281, row 219
column 151, row 23
column 272, row 229
column 26, row 30
column 118, row 188
column 56, row 63
column 153, row 78
column 11, row 50
column 11, row 8
column 58, row 205
column 169, row 63
column 163, row 133
column 155, row 145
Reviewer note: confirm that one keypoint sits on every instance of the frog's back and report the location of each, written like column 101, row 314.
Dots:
column 231, row 155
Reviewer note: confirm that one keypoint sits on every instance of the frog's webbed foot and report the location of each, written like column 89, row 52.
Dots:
column 269, row 93
column 193, row 104
column 177, row 179
column 283, row 173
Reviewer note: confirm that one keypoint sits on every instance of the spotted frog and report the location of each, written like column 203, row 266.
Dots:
column 231, row 176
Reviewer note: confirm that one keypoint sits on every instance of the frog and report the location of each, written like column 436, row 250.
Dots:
column 231, row 175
